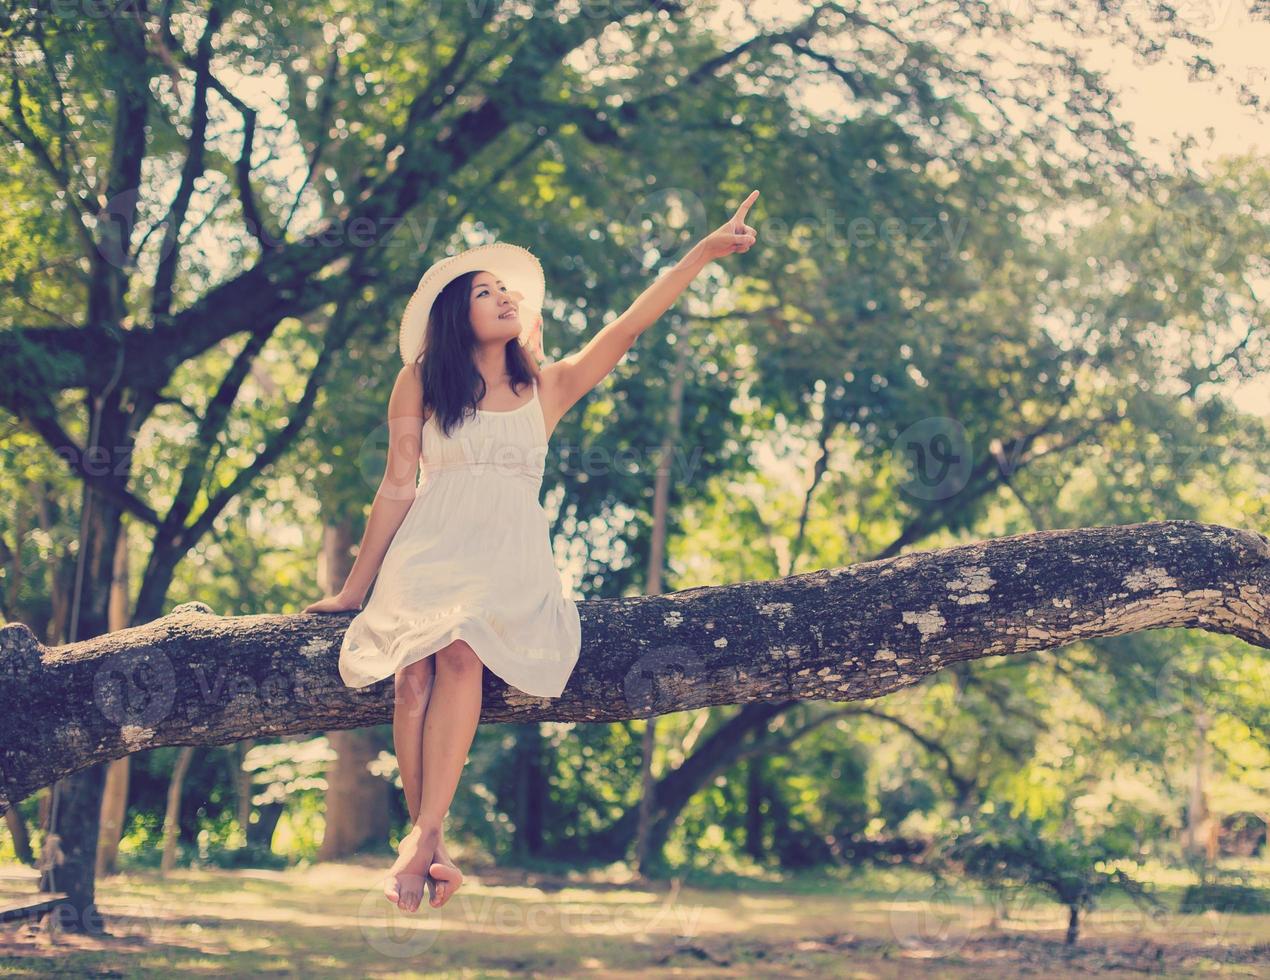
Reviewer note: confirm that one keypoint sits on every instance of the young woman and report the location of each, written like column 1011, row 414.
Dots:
column 462, row 563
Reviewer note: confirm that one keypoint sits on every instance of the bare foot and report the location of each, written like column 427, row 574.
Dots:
column 405, row 882
column 444, row 879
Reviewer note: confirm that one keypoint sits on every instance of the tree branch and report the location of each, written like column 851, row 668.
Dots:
column 843, row 634
column 170, row 251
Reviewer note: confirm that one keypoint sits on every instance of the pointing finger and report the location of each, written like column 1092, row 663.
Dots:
column 741, row 211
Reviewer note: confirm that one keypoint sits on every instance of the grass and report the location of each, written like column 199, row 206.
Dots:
column 330, row 919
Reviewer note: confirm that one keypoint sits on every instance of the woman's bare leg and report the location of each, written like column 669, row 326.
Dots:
column 413, row 691
column 412, row 688
column 448, row 731
column 449, row 725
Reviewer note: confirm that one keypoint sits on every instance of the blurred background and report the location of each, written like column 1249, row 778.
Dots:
column 1011, row 275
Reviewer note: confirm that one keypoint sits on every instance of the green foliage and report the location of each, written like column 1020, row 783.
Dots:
column 247, row 856
column 283, row 771
column 1008, row 852
column 914, row 795
column 141, row 845
column 482, row 814
column 1218, row 896
column 818, row 800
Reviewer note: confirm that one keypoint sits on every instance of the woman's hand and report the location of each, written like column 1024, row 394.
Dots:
column 533, row 340
column 334, row 603
column 734, row 235
column 530, row 336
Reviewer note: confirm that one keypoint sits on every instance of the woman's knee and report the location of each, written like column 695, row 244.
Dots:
column 458, row 658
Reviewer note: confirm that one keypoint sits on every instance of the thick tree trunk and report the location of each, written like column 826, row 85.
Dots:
column 75, row 818
column 68, row 857
column 356, row 799
column 838, row 634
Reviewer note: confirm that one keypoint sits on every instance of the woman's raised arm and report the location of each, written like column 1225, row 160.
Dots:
column 571, row 377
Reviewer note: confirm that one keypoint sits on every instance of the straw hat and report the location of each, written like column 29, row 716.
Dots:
column 518, row 267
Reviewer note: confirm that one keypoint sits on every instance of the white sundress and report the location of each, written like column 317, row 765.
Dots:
column 472, row 560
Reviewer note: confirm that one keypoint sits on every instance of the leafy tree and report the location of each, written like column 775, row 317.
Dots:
column 1074, row 869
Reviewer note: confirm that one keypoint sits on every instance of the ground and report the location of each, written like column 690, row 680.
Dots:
column 332, row 920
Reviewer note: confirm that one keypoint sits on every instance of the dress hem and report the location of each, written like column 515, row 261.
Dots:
column 471, row 627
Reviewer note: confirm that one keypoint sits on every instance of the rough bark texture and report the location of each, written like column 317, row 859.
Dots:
column 843, row 634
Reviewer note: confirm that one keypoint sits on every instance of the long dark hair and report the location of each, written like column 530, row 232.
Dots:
column 451, row 384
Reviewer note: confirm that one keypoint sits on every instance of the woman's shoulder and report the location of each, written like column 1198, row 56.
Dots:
column 407, row 392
